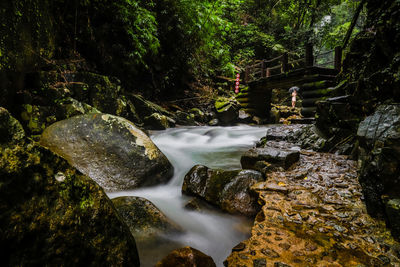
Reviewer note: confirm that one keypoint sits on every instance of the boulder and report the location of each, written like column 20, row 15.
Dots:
column 144, row 218
column 227, row 110
column 392, row 209
column 184, row 118
column 229, row 190
column 274, row 157
column 206, row 183
column 185, row 257
column 110, row 150
column 52, row 215
column 237, row 197
column 244, row 117
column 156, row 121
column 198, row 115
column 379, row 157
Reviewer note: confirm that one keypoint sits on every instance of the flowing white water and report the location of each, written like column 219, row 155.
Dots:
column 213, row 233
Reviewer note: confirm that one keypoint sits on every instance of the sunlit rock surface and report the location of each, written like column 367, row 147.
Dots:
column 110, row 150
column 313, row 215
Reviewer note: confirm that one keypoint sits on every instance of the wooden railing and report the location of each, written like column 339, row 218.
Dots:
column 288, row 62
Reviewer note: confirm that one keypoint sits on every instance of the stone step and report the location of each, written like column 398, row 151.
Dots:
column 316, row 93
column 308, row 120
column 310, row 102
column 317, row 85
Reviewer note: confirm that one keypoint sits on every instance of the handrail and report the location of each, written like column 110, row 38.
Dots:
column 263, row 69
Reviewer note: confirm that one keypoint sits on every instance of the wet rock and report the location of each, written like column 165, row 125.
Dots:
column 270, row 253
column 186, row 256
column 239, row 247
column 230, row 190
column 52, row 215
column 109, row 149
column 11, row 131
column 244, row 117
column 237, row 197
column 144, row 218
column 213, row 122
column 184, row 118
column 267, row 186
column 198, row 115
column 393, row 216
column 379, row 154
column 259, row 263
column 157, row 121
column 227, row 110
column 275, row 156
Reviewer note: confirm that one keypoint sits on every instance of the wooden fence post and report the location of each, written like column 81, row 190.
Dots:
column 309, row 55
column 285, row 63
column 263, row 74
column 268, row 72
column 246, row 74
column 338, row 58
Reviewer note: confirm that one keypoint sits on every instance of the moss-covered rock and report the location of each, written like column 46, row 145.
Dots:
column 109, row 149
column 146, row 108
column 37, row 118
column 52, row 215
column 227, row 110
column 144, row 219
column 156, row 121
column 186, row 256
column 11, row 131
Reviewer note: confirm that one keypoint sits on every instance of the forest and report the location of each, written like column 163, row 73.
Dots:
column 200, row 132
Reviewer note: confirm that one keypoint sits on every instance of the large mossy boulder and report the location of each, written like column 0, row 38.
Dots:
column 229, row 190
column 52, row 215
column 185, row 257
column 110, row 150
column 144, row 218
column 379, row 157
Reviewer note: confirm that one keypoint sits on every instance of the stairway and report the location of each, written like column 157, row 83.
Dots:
column 311, row 92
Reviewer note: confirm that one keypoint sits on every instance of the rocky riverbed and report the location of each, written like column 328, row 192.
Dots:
column 313, row 215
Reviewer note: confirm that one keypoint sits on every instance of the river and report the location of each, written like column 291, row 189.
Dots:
column 213, row 233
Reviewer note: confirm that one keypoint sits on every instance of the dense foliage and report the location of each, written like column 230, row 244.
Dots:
column 161, row 46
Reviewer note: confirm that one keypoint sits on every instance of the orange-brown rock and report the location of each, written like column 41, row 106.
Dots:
column 186, row 257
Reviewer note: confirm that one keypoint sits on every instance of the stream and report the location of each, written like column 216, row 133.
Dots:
column 214, row 233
